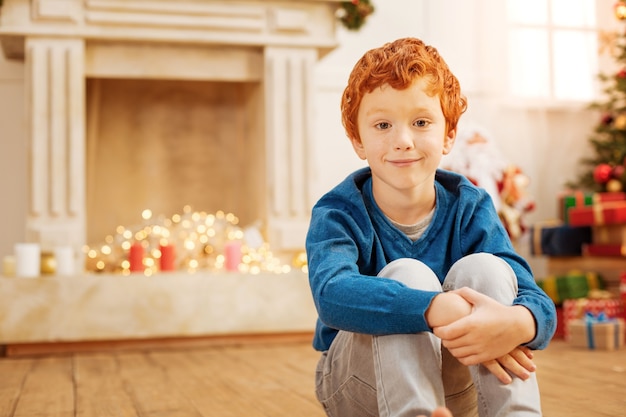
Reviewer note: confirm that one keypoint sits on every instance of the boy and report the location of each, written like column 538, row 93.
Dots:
column 422, row 300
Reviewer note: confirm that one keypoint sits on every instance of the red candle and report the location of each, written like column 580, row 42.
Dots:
column 168, row 258
column 135, row 257
column 232, row 255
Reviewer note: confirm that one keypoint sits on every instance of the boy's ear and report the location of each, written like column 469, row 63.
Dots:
column 357, row 145
column 448, row 141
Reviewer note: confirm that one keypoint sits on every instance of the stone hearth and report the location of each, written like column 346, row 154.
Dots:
column 115, row 307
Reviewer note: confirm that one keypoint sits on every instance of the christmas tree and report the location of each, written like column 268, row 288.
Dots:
column 605, row 170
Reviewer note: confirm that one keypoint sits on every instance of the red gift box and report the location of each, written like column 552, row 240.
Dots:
column 598, row 214
column 576, row 309
column 604, row 249
column 571, row 199
column 559, row 333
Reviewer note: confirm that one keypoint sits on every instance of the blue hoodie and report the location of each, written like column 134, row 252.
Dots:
column 350, row 240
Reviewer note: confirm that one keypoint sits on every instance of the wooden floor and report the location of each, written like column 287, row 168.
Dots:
column 254, row 380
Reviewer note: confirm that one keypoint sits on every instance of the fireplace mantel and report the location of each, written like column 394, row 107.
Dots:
column 63, row 42
column 295, row 23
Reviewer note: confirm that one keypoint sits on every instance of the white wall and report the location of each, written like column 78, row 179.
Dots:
column 547, row 144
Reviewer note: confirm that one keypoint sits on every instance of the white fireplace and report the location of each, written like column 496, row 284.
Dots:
column 227, row 126
column 157, row 104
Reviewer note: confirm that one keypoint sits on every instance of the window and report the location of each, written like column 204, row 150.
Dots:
column 553, row 49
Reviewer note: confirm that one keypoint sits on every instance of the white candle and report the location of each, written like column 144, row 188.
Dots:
column 27, row 260
column 64, row 256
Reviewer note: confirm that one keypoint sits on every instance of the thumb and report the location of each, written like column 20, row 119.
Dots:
column 471, row 296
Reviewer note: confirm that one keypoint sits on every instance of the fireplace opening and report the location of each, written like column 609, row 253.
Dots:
column 165, row 144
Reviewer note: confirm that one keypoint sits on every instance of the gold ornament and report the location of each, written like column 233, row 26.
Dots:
column 613, row 186
column 8, row 266
column 299, row 260
column 620, row 122
column 620, row 10
column 48, row 263
column 607, row 42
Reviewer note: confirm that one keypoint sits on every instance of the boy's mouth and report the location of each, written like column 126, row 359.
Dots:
column 402, row 162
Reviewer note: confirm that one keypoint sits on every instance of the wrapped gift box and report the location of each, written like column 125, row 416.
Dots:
column 559, row 333
column 576, row 284
column 598, row 214
column 598, row 302
column 581, row 199
column 552, row 239
column 573, row 199
column 597, row 333
column 609, row 234
column 604, row 249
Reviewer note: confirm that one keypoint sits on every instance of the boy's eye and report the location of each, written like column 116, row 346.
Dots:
column 421, row 123
column 383, row 125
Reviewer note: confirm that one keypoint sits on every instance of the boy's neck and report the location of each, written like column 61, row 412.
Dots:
column 406, row 209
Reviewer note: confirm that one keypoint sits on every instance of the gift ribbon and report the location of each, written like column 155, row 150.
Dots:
column 536, row 234
column 537, row 240
column 591, row 319
column 598, row 214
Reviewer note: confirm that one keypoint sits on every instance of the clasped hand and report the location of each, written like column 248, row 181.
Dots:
column 477, row 329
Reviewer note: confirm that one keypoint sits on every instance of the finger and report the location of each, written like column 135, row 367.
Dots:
column 496, row 369
column 521, row 357
column 470, row 295
column 459, row 349
column 468, row 359
column 509, row 363
column 527, row 351
column 454, row 330
column 441, row 412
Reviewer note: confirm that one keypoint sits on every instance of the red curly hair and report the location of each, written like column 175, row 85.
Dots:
column 398, row 64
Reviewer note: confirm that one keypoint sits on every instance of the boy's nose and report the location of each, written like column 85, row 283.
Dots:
column 403, row 140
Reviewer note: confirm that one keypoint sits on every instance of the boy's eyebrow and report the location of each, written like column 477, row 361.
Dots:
column 384, row 109
column 376, row 110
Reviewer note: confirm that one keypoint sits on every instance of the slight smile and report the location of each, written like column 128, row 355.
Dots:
column 403, row 162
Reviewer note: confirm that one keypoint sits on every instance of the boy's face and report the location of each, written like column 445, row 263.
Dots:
column 403, row 137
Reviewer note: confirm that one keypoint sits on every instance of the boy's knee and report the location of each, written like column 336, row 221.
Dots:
column 485, row 273
column 412, row 273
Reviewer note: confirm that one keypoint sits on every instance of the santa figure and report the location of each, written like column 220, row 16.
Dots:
column 476, row 156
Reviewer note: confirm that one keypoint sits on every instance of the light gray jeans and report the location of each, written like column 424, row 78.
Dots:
column 403, row 375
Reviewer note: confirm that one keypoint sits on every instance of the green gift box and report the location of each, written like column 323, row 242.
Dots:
column 576, row 284
column 573, row 199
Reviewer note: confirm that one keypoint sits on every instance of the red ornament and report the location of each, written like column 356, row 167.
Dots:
column 621, row 73
column 607, row 119
column 618, row 171
column 602, row 173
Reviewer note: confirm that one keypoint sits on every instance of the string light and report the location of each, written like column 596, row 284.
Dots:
column 199, row 241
